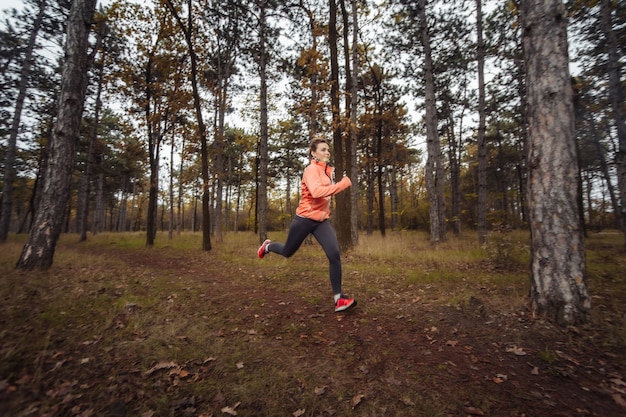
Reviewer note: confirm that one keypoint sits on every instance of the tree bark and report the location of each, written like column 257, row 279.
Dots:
column 558, row 277
column 38, row 252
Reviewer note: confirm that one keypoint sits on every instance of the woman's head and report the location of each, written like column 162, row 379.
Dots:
column 319, row 150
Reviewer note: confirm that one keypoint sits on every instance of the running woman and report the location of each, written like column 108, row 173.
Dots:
column 312, row 217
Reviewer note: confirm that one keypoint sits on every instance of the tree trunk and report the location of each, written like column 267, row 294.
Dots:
column 170, row 229
column 393, row 197
column 369, row 179
column 263, row 157
column 616, row 97
column 455, row 173
column 82, row 209
column 434, row 165
column 482, row 145
column 98, row 217
column 9, row 162
column 206, row 212
column 354, row 169
column 558, row 277
column 342, row 148
column 121, row 223
column 38, row 252
column 619, row 221
column 179, row 198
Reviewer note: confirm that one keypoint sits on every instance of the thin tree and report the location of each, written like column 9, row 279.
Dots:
column 434, row 163
column 9, row 163
column 188, row 31
column 482, row 145
column 558, row 277
column 82, row 209
column 616, row 98
column 38, row 252
column 354, row 190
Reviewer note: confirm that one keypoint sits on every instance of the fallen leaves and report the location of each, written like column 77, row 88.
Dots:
column 500, row 378
column 473, row 411
column 320, row 390
column 356, row 400
column 518, row 351
column 230, row 410
column 159, row 366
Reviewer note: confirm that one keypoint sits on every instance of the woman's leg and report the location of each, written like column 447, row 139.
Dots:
column 325, row 235
column 298, row 231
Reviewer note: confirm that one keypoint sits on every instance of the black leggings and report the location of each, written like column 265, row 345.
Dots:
column 325, row 235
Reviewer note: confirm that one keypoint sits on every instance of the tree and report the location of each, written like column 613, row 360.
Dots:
column 434, row 162
column 9, row 163
column 558, row 277
column 82, row 204
column 482, row 146
column 343, row 142
column 188, row 31
column 38, row 252
column 616, row 98
column 262, row 57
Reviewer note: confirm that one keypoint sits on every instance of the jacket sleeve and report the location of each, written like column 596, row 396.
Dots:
column 312, row 179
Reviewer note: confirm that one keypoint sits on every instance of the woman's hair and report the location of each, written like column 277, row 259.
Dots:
column 313, row 145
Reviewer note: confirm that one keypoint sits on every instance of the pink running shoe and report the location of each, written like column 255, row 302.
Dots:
column 344, row 303
column 263, row 249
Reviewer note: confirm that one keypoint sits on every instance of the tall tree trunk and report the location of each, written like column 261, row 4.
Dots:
column 38, row 252
column 9, row 162
column 379, row 160
column 482, row 145
column 354, row 169
column 342, row 148
column 154, row 150
column 197, row 104
column 616, row 97
column 334, row 96
column 82, row 209
column 263, row 154
column 369, row 191
column 619, row 220
column 558, row 277
column 393, row 196
column 434, row 163
column 455, row 173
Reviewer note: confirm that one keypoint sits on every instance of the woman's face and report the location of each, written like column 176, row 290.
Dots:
column 322, row 152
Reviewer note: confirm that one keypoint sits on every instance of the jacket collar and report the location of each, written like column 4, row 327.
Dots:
column 320, row 163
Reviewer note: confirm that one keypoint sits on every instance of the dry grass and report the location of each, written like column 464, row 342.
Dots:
column 84, row 337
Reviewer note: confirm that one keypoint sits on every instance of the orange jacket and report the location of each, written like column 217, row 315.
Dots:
column 317, row 188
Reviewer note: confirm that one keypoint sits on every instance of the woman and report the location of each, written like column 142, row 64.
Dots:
column 312, row 217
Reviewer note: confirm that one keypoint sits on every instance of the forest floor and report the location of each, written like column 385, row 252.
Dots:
column 118, row 329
